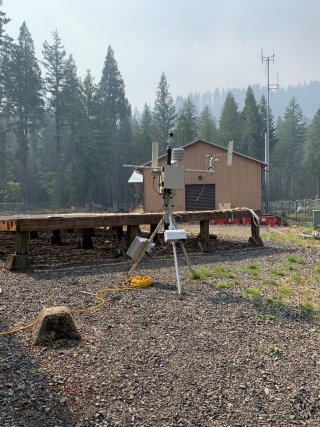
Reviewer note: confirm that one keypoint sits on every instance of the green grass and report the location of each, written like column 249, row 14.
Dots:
column 252, row 269
column 278, row 272
column 269, row 318
column 276, row 302
column 253, row 292
column 298, row 279
column 230, row 275
column 275, row 351
column 292, row 267
column 226, row 284
column 292, row 239
column 272, row 282
column 307, row 310
column 200, row 273
column 295, row 259
column 219, row 271
column 285, row 291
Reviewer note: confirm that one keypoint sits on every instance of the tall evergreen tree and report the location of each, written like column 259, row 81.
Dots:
column 146, row 124
column 187, row 124
column 229, row 122
column 74, row 137
column 207, row 126
column 272, row 127
column 116, row 113
column 252, row 140
column 27, row 97
column 164, row 113
column 289, row 151
column 5, row 102
column 91, row 132
column 55, row 62
column 312, row 156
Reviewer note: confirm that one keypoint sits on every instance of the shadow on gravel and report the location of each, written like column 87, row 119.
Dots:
column 27, row 399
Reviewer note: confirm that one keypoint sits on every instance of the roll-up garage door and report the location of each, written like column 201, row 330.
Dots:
column 200, row 197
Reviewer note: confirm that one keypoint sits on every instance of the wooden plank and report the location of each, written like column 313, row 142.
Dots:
column 81, row 221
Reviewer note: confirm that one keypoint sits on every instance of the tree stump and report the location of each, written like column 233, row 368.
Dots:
column 52, row 324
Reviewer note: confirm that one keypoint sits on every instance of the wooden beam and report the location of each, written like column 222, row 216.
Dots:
column 255, row 238
column 132, row 232
column 55, row 238
column 20, row 259
column 86, row 242
column 204, row 236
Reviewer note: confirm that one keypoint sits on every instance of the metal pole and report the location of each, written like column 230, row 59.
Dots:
column 176, row 266
column 267, row 60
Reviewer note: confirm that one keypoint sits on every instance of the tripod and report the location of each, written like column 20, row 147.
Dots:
column 169, row 223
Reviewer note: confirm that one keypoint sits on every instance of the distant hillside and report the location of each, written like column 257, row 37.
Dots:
column 308, row 96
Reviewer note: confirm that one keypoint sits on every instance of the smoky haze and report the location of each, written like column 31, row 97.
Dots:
column 200, row 45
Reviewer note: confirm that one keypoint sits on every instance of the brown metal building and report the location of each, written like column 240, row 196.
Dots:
column 228, row 187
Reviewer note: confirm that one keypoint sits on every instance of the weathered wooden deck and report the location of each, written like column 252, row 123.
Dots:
column 23, row 225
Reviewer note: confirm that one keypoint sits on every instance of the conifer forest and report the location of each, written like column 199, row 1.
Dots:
column 64, row 139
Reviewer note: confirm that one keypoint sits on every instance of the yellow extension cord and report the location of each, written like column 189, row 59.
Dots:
column 130, row 284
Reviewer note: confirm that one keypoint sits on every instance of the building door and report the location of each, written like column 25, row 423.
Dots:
column 200, row 197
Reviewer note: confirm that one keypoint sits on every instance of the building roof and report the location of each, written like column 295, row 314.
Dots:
column 263, row 164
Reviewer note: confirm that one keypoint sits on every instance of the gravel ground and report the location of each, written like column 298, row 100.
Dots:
column 213, row 357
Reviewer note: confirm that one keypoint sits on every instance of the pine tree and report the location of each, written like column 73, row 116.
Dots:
column 289, row 151
column 252, row 140
column 229, row 122
column 74, row 137
column 27, row 98
column 55, row 62
column 272, row 127
column 91, row 132
column 5, row 102
column 187, row 124
column 146, row 124
column 312, row 155
column 164, row 113
column 116, row 116
column 207, row 126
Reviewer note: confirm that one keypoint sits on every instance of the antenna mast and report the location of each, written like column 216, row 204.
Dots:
column 267, row 60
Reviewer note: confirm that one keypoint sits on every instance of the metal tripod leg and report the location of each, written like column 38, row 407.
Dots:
column 135, row 265
column 183, row 247
column 176, row 266
column 186, row 255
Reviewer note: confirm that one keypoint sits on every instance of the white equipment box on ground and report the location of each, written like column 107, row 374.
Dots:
column 175, row 235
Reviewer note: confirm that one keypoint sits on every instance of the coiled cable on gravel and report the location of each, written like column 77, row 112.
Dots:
column 132, row 283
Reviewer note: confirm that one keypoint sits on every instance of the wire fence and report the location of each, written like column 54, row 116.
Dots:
column 295, row 209
column 48, row 207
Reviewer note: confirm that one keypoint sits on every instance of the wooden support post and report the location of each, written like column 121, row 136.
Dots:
column 132, row 232
column 20, row 258
column 118, row 230
column 255, row 238
column 55, row 238
column 204, row 236
column 86, row 242
column 33, row 235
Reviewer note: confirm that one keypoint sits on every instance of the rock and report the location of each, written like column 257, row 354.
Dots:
column 52, row 324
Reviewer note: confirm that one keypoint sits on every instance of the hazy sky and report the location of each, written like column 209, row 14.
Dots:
column 199, row 44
